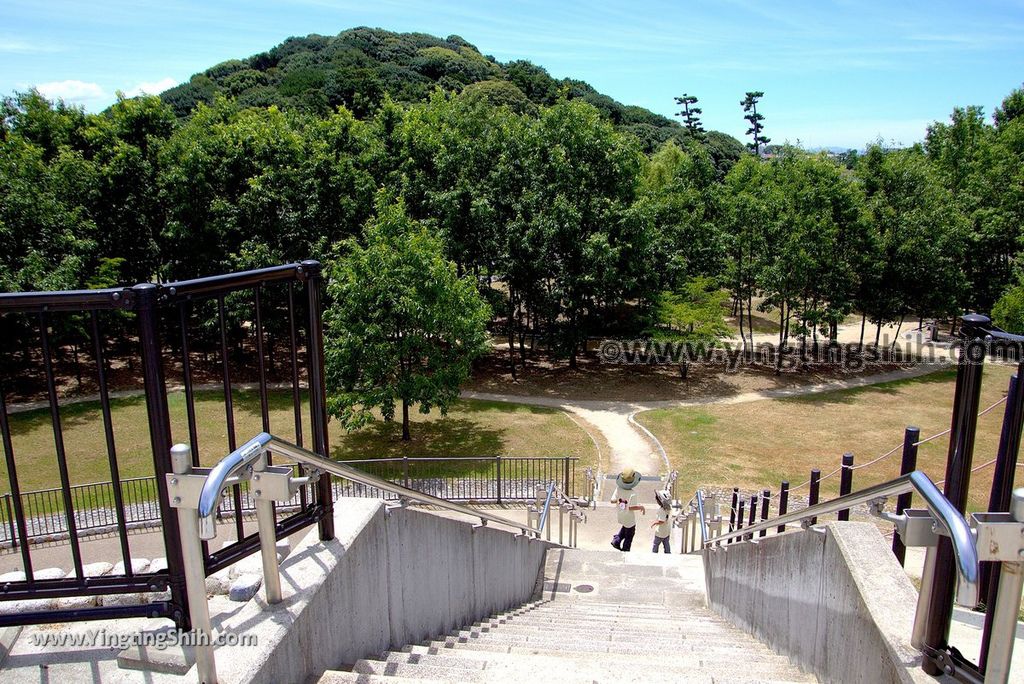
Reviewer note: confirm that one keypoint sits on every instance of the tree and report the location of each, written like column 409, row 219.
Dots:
column 1011, row 108
column 1008, row 312
column 690, row 115
column 692, row 319
column 749, row 104
column 402, row 325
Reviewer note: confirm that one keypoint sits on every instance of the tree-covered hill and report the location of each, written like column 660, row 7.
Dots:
column 358, row 67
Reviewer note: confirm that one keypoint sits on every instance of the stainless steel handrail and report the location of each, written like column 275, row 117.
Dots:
column 547, row 508
column 951, row 520
column 699, row 496
column 244, row 456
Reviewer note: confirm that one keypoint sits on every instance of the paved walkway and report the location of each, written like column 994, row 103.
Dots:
column 633, row 446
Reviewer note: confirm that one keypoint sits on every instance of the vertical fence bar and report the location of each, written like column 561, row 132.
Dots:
column 296, row 390
column 783, row 502
column 970, row 367
column 845, row 483
column 12, row 478
column 229, row 410
column 753, row 513
column 261, row 356
column 908, row 465
column 497, row 476
column 108, row 434
column 732, row 508
column 184, row 311
column 815, row 492
column 766, row 496
column 10, row 520
column 317, row 393
column 999, row 501
column 58, row 442
column 565, row 480
column 146, row 296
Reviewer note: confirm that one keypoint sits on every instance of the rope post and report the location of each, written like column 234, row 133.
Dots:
column 812, row 497
column 732, row 508
column 753, row 513
column 783, row 502
column 739, row 520
column 964, row 422
column 766, row 496
column 845, row 483
column 909, row 464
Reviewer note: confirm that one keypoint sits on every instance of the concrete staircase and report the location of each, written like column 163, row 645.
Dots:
column 603, row 616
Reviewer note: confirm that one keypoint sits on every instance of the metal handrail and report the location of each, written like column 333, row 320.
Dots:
column 547, row 508
column 245, row 456
column 699, row 496
column 951, row 520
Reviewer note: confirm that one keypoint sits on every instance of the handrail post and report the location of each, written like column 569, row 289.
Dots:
column 998, row 652
column 146, row 296
column 753, row 514
column 191, row 548
column 909, row 464
column 739, row 521
column 964, row 421
column 845, row 483
column 266, row 527
column 999, row 500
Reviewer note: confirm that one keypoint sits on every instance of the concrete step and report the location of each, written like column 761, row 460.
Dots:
column 727, row 663
column 619, row 650
column 667, row 624
column 483, row 649
column 608, row 631
column 571, row 641
column 340, row 677
column 568, row 672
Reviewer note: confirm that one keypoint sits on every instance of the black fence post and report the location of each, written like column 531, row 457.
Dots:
column 766, row 496
column 845, row 483
column 783, row 502
column 732, row 508
column 999, row 499
column 909, row 464
column 815, row 492
column 753, row 513
column 146, row 297
column 565, row 476
column 318, row 393
column 970, row 367
column 739, row 519
column 405, row 470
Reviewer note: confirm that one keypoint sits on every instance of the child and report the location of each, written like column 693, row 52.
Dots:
column 661, row 525
column 625, row 500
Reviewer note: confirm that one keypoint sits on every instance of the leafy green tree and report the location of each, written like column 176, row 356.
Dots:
column 691, row 317
column 1008, row 311
column 749, row 104
column 402, row 326
column 1011, row 108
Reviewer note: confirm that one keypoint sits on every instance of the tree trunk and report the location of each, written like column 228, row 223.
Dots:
column 878, row 334
column 863, row 322
column 511, row 335
column 897, row 335
column 684, row 369
column 405, row 421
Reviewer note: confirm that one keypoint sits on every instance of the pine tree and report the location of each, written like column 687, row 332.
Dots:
column 690, row 115
column 750, row 106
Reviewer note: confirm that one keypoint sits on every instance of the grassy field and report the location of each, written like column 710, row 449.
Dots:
column 758, row 444
column 471, row 428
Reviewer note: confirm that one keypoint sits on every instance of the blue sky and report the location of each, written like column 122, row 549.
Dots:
column 834, row 72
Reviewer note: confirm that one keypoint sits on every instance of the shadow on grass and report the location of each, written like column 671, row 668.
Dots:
column 852, row 395
column 71, row 415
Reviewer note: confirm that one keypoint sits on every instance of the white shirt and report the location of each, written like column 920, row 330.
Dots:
column 624, row 499
column 662, row 530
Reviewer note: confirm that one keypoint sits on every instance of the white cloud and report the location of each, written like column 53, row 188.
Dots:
column 72, row 91
column 152, row 87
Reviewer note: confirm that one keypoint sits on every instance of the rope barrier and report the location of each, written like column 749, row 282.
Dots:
column 897, row 448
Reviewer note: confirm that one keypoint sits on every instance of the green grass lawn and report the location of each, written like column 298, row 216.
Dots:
column 471, row 428
column 758, row 444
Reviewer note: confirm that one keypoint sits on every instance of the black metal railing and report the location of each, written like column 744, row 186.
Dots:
column 156, row 330
column 494, row 479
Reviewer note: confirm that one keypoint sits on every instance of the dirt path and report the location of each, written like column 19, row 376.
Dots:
column 631, row 445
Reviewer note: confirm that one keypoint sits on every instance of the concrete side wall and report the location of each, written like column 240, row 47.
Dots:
column 391, row 577
column 836, row 602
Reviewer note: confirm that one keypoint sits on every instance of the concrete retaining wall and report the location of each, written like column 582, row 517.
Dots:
column 391, row 577
column 835, row 601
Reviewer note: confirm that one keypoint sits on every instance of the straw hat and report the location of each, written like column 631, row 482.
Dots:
column 627, row 479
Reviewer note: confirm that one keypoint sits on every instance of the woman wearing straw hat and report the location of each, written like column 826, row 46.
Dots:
column 625, row 499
